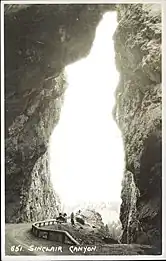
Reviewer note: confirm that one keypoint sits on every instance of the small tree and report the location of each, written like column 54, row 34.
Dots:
column 115, row 229
column 107, row 229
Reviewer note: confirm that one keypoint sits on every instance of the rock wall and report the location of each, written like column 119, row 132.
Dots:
column 138, row 114
column 27, row 167
column 40, row 40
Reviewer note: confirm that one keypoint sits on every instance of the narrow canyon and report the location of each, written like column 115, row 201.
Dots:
column 39, row 42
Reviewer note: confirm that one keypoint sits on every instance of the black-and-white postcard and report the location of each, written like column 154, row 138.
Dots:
column 81, row 99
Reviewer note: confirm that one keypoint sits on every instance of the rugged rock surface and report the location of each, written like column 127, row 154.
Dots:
column 91, row 217
column 40, row 40
column 93, row 231
column 139, row 116
column 27, row 167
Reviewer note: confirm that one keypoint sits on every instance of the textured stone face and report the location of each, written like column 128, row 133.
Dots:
column 27, row 167
column 138, row 114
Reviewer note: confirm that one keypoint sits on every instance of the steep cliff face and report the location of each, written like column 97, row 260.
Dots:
column 138, row 114
column 40, row 40
column 29, row 194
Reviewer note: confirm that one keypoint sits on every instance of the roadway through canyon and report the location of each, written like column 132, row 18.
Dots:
column 21, row 235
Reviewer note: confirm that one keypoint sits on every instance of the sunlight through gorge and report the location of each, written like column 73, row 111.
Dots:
column 86, row 148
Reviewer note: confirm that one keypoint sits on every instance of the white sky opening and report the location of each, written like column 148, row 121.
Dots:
column 86, row 148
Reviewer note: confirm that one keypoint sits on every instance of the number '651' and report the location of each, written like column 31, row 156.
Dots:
column 16, row 248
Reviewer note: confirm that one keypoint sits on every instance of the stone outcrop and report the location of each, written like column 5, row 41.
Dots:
column 91, row 217
column 89, row 228
column 139, row 116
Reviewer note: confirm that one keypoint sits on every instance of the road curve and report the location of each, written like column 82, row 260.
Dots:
column 20, row 235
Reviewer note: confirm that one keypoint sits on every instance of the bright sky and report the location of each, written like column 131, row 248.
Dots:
column 86, row 150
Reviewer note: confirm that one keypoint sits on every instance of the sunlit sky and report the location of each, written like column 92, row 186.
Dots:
column 86, row 150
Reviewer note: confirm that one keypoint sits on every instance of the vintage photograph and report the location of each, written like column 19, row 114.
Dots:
column 83, row 129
